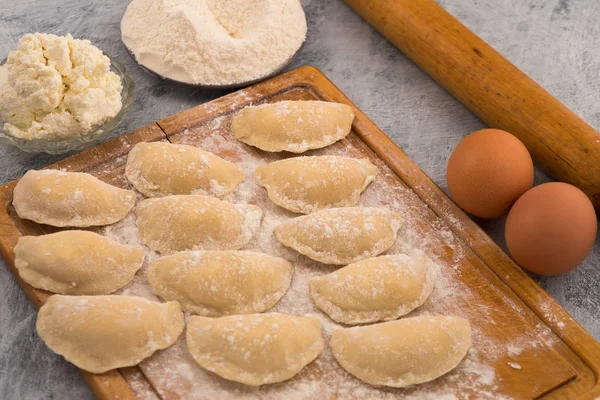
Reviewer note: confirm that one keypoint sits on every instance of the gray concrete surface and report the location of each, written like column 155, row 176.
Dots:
column 556, row 42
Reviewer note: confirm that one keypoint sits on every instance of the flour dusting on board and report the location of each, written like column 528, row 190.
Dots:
column 174, row 374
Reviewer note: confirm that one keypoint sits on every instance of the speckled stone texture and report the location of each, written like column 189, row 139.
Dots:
column 556, row 42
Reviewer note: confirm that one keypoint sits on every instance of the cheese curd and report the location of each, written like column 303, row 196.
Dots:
column 56, row 87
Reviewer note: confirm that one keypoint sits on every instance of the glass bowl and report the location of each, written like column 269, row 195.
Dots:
column 92, row 138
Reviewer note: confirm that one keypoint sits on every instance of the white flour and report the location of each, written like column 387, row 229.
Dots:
column 213, row 42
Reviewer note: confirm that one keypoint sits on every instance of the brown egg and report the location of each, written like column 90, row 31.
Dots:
column 488, row 171
column 551, row 228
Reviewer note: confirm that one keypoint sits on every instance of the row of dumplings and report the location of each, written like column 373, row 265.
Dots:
column 301, row 184
column 96, row 333
column 217, row 283
column 221, row 282
column 197, row 222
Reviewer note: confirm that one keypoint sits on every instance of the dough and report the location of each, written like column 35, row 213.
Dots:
column 161, row 169
column 61, row 198
column 100, row 333
column 295, row 126
column 217, row 283
column 76, row 262
column 404, row 352
column 308, row 184
column 194, row 222
column 255, row 349
column 341, row 235
column 376, row 289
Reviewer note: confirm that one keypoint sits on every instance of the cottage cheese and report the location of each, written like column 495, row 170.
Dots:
column 56, row 87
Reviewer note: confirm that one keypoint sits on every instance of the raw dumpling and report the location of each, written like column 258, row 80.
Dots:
column 376, row 289
column 76, row 262
column 100, row 333
column 404, row 352
column 295, row 126
column 255, row 349
column 341, row 235
column 160, row 169
column 217, row 283
column 194, row 222
column 61, row 198
column 308, row 184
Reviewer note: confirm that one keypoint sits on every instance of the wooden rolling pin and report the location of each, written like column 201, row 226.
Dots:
column 491, row 87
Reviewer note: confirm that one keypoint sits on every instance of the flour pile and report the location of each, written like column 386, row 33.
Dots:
column 213, row 42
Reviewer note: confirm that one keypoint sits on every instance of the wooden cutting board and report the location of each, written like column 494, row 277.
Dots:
column 525, row 345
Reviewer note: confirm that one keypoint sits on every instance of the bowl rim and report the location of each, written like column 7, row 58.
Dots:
column 229, row 86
